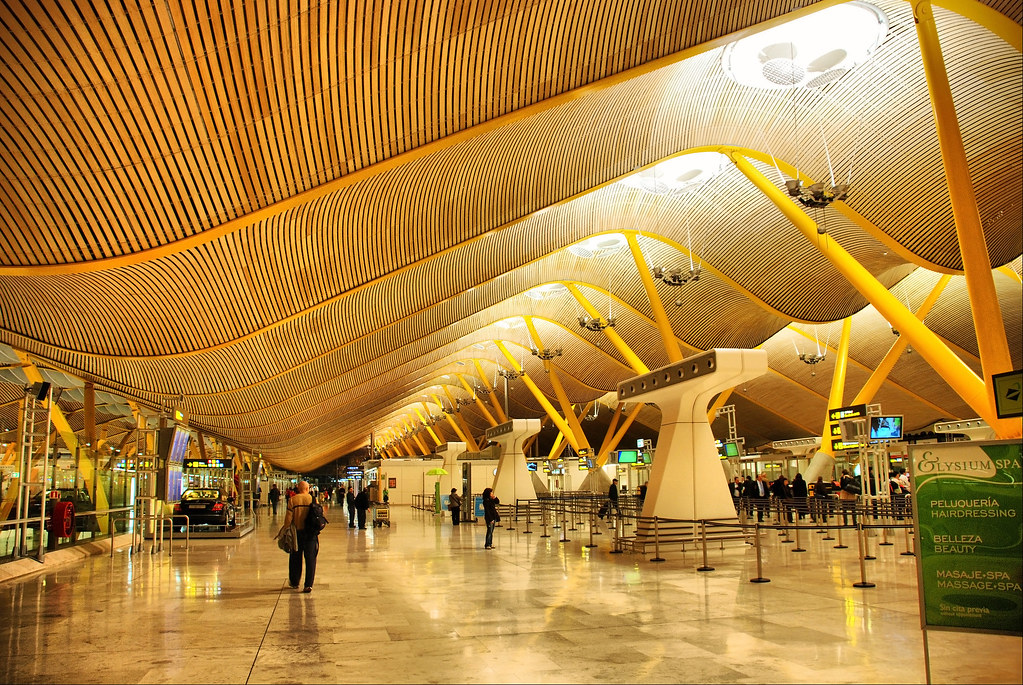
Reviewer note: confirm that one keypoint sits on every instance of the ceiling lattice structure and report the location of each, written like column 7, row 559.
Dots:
column 299, row 222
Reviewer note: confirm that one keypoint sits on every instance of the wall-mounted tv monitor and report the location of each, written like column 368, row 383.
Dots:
column 628, row 456
column 885, row 427
column 647, row 459
column 731, row 449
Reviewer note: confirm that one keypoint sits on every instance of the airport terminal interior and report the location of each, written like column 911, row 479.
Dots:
column 606, row 260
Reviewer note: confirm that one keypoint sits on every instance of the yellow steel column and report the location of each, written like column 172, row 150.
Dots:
column 467, row 439
column 435, row 430
column 559, row 391
column 887, row 363
column 824, row 461
column 620, row 433
column 460, row 420
column 634, row 361
column 479, row 403
column 428, row 427
column 492, row 391
column 544, row 402
column 609, row 434
column 957, row 374
column 987, row 312
column 557, row 447
column 663, row 325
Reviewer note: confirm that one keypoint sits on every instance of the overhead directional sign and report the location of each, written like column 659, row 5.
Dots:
column 854, row 411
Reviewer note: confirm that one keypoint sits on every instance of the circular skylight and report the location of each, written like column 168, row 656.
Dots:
column 548, row 290
column 812, row 51
column 678, row 174
column 598, row 245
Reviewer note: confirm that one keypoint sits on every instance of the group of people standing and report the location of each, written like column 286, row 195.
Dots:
column 795, row 496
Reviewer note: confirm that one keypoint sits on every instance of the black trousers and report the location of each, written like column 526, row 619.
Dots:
column 351, row 515
column 456, row 513
column 362, row 518
column 308, row 547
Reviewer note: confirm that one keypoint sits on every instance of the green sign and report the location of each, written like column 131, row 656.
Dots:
column 969, row 516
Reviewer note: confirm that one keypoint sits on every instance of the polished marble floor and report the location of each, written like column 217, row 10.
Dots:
column 422, row 602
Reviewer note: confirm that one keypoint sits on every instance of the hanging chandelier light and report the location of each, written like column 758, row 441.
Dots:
column 596, row 324
column 547, row 353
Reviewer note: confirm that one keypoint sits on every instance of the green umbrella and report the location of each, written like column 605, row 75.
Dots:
column 437, row 472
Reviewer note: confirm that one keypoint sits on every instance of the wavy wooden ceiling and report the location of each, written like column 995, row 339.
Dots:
column 299, row 217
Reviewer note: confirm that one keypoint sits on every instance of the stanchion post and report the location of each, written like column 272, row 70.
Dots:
column 799, row 545
column 760, row 571
column 863, row 567
column 616, row 547
column 703, row 542
column 592, row 525
column 564, row 527
column 529, row 518
column 657, row 542
column 909, row 547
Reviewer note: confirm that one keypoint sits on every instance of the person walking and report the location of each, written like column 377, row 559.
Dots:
column 308, row 542
column 361, row 505
column 490, row 515
column 350, row 501
column 274, row 496
column 455, row 506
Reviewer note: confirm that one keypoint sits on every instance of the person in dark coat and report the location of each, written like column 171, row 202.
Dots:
column 756, row 492
column 799, row 495
column 361, row 505
column 782, row 495
column 350, row 500
column 612, row 498
column 490, row 515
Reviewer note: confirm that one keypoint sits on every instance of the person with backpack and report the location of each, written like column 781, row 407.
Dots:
column 308, row 541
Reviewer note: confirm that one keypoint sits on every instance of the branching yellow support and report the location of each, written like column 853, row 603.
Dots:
column 987, row 312
column 634, row 361
column 663, row 325
column 479, row 403
column 957, row 374
column 544, row 402
column 492, row 391
column 873, row 384
column 566, row 406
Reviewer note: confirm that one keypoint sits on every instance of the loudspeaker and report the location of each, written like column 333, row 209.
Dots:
column 41, row 390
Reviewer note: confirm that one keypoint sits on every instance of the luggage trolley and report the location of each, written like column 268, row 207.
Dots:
column 381, row 515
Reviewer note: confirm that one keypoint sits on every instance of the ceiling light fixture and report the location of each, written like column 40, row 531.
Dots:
column 596, row 324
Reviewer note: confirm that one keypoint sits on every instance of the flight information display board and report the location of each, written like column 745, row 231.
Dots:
column 969, row 513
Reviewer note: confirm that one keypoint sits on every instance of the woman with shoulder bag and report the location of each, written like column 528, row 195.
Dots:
column 490, row 515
